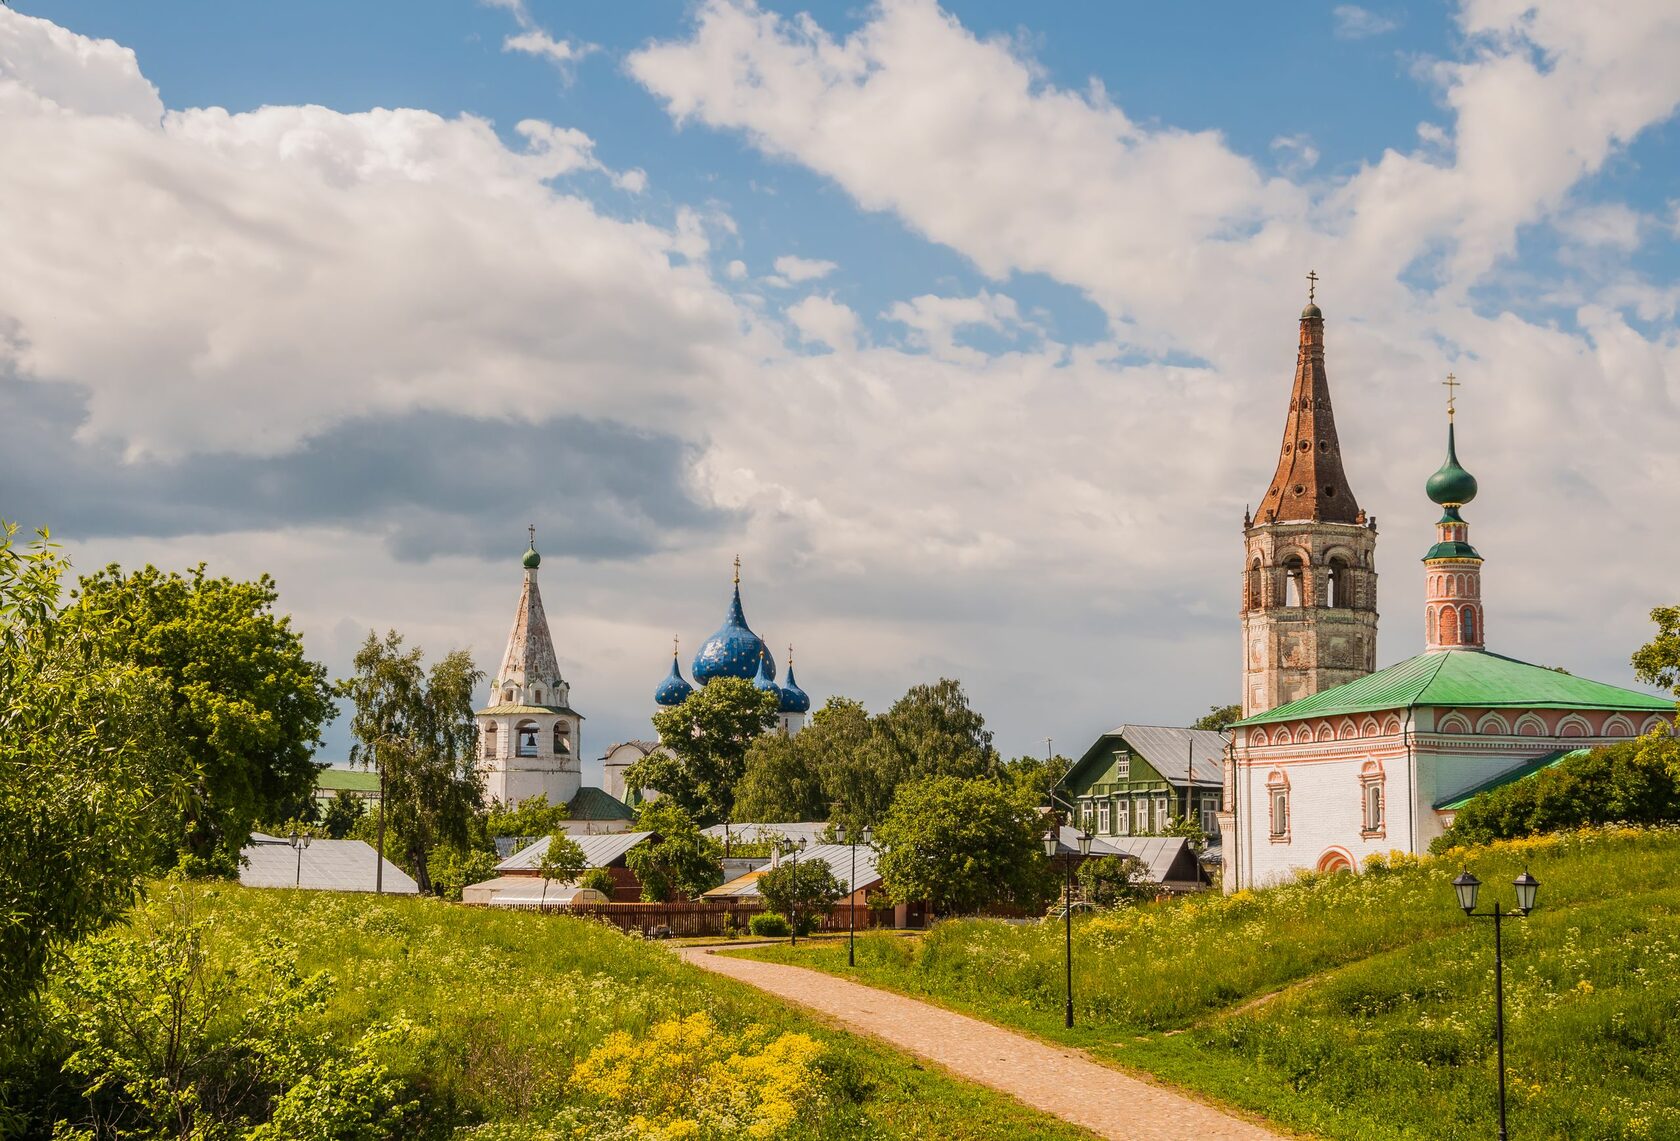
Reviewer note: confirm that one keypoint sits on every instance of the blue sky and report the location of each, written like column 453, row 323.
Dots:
column 998, row 416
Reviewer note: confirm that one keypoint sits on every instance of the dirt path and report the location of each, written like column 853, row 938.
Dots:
column 1058, row 1080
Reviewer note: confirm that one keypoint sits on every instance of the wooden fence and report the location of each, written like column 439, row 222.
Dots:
column 702, row 917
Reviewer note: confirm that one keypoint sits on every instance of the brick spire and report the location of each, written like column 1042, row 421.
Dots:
column 1310, row 483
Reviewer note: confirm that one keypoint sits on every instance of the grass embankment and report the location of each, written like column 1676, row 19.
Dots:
column 1359, row 1007
column 539, row 1027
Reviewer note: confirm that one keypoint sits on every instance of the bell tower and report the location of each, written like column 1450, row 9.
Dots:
column 1309, row 584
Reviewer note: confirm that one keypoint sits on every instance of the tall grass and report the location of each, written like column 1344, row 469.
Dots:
column 1361, row 1007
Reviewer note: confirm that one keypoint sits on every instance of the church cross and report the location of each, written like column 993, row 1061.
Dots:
column 737, row 570
column 1312, row 285
column 532, row 528
column 674, row 647
column 1452, row 382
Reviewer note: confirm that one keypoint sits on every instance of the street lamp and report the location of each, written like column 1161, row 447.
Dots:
column 298, row 842
column 852, row 836
column 1052, row 844
column 793, row 895
column 1528, row 888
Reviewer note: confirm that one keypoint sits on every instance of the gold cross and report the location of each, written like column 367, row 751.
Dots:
column 674, row 645
column 1452, row 382
column 737, row 570
column 1312, row 285
column 533, row 530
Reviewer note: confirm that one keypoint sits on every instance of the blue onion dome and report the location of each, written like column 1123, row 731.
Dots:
column 1451, row 486
column 673, row 690
column 734, row 651
column 764, row 683
column 794, row 699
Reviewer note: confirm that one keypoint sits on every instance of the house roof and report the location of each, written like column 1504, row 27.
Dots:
column 838, row 857
column 1509, row 776
column 599, row 851
column 350, row 780
column 527, row 891
column 1465, row 678
column 1166, row 748
column 750, row 833
column 641, row 746
column 517, row 710
column 1157, row 853
column 326, row 865
column 592, row 803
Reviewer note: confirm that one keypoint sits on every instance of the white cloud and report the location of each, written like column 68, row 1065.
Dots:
column 934, row 321
column 825, row 321
column 1296, row 153
column 1606, row 224
column 562, row 53
column 1356, row 23
column 798, row 269
column 735, row 270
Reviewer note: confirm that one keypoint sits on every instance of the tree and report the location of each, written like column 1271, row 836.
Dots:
column 601, row 880
column 834, row 743
column 780, row 782
column 1114, row 881
column 533, row 816
column 705, row 742
column 1657, row 662
column 562, row 860
column 930, row 731
column 90, row 777
column 1035, row 777
column 243, row 701
column 799, row 888
column 960, row 845
column 416, row 728
column 681, row 861
column 341, row 814
column 1218, row 717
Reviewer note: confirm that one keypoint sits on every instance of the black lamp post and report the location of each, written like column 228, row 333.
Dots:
column 793, row 896
column 1052, row 843
column 298, row 842
column 1467, row 886
column 852, row 836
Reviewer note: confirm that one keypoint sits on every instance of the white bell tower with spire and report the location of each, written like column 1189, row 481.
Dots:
column 528, row 735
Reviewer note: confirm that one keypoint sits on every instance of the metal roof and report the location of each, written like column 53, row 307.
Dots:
column 750, row 833
column 1465, row 678
column 1166, row 749
column 838, row 857
column 516, row 710
column 528, row 891
column 599, row 851
column 1157, row 853
column 352, row 780
column 327, row 865
column 593, row 803
column 1526, row 769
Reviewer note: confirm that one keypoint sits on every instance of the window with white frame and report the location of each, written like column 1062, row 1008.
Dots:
column 1123, row 819
column 1103, row 810
column 1161, row 819
column 1086, row 812
column 1372, row 799
column 1142, row 804
column 1210, row 817
column 1373, row 807
column 1122, row 765
column 1277, row 788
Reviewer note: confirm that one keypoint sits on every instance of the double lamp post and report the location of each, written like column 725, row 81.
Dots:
column 1528, row 888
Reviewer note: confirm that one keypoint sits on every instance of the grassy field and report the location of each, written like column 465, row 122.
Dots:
column 1359, row 1007
column 530, row 1028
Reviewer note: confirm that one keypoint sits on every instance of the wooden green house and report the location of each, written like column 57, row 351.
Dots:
column 1136, row 779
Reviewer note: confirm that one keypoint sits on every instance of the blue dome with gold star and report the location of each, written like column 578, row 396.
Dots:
column 673, row 690
column 765, row 683
column 794, row 699
column 734, row 651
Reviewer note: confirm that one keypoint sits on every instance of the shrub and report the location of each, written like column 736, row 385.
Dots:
column 1115, row 881
column 599, row 879
column 769, row 925
column 803, row 889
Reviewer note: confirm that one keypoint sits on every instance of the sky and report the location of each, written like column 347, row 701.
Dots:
column 969, row 327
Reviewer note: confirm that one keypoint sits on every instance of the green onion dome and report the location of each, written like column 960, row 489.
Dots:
column 532, row 560
column 1451, row 486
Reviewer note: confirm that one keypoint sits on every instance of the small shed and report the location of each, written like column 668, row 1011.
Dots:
column 602, row 850
column 326, row 865
column 528, row 891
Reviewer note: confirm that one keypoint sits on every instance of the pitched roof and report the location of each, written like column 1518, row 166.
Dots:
column 1509, row 776
column 1467, row 678
column 1309, row 482
column 1167, row 749
column 351, row 780
column 599, row 850
column 517, row 710
column 598, row 804
column 750, row 833
column 327, row 865
column 1156, row 853
column 838, row 858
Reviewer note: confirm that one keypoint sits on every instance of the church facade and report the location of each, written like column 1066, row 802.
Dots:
column 1332, row 762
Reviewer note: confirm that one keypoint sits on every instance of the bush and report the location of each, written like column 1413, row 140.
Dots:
column 1115, row 881
column 769, row 925
column 599, row 879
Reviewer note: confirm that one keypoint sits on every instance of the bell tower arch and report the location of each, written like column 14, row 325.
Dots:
column 1309, row 590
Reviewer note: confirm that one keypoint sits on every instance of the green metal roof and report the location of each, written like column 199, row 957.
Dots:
column 598, row 804
column 1466, row 678
column 526, row 710
column 351, row 780
column 1510, row 776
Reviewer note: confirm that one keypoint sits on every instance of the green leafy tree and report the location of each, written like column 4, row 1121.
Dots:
column 930, row 731
column 1114, row 881
column 561, row 861
column 960, row 844
column 451, row 868
column 533, row 816
column 801, row 890
column 681, row 861
column 245, row 703
column 91, row 777
column 341, row 814
column 1657, row 662
column 705, row 742
column 1633, row 782
column 780, row 782
column 1218, row 717
column 834, row 744
column 601, row 880
column 1035, row 777
column 416, row 728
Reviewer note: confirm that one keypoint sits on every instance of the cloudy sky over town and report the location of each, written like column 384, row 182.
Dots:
column 969, row 327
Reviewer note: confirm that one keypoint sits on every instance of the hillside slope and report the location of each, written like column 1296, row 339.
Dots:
column 1361, row 1007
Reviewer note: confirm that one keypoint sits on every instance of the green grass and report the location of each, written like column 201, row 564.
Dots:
column 510, row 1002
column 1359, row 1007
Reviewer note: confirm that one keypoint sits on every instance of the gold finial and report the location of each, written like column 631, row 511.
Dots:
column 737, row 570
column 1312, row 285
column 1452, row 382
column 532, row 528
column 790, row 655
column 675, row 651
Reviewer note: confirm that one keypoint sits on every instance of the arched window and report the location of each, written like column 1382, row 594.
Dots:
column 1467, row 620
column 1341, row 583
column 1277, row 786
column 1295, row 581
column 490, row 739
column 507, row 695
column 1431, row 624
column 562, row 739
column 525, row 739
column 1254, row 602
column 1449, row 625
column 536, row 697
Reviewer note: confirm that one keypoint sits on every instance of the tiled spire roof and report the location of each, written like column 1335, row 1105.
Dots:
column 529, row 658
column 1310, row 483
